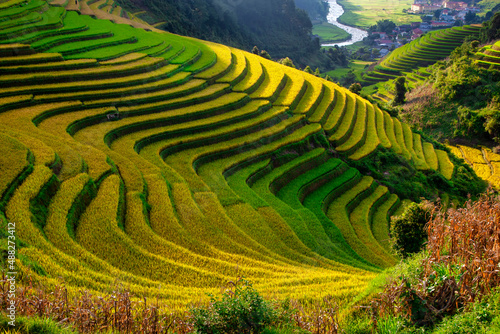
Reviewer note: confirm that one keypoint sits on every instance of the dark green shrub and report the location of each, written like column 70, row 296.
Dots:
column 408, row 230
column 240, row 310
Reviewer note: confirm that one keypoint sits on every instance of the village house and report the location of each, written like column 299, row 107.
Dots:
column 455, row 5
column 440, row 24
column 424, row 8
column 382, row 34
column 416, row 33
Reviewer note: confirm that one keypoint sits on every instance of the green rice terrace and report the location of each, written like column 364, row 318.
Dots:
column 490, row 56
column 168, row 165
column 421, row 52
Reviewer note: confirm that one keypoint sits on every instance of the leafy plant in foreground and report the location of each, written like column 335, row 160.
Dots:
column 241, row 309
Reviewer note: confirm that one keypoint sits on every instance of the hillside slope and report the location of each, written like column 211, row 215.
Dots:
column 277, row 26
column 169, row 165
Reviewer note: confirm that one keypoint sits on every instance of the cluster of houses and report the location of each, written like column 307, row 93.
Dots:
column 451, row 11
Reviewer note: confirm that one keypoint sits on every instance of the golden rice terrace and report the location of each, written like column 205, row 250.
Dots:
column 167, row 165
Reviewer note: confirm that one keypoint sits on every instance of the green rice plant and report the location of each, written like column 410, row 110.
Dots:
column 95, row 30
column 409, row 141
column 264, row 185
column 362, row 218
column 10, row 3
column 446, row 167
column 301, row 183
column 347, row 121
column 239, row 182
column 400, row 138
column 255, row 225
column 320, row 200
column 224, row 63
column 380, row 221
column 199, row 227
column 206, row 60
column 430, row 155
column 191, row 53
column 228, row 157
column 49, row 19
column 145, row 41
column 17, row 11
column 371, row 139
column 294, row 192
column 29, row 18
column 339, row 211
column 120, row 35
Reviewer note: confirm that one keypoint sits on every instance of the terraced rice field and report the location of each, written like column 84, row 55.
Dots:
column 422, row 52
column 169, row 165
column 490, row 56
column 483, row 160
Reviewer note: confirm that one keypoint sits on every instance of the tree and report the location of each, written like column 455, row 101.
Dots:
column 437, row 13
column 255, row 50
column 491, row 29
column 400, row 91
column 470, row 17
column 287, row 62
column 386, row 26
column 265, row 54
column 355, row 88
column 308, row 69
column 408, row 230
column 317, row 73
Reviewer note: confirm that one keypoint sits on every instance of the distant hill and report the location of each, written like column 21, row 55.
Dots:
column 277, row 26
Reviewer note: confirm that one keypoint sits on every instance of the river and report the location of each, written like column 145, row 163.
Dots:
column 335, row 11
